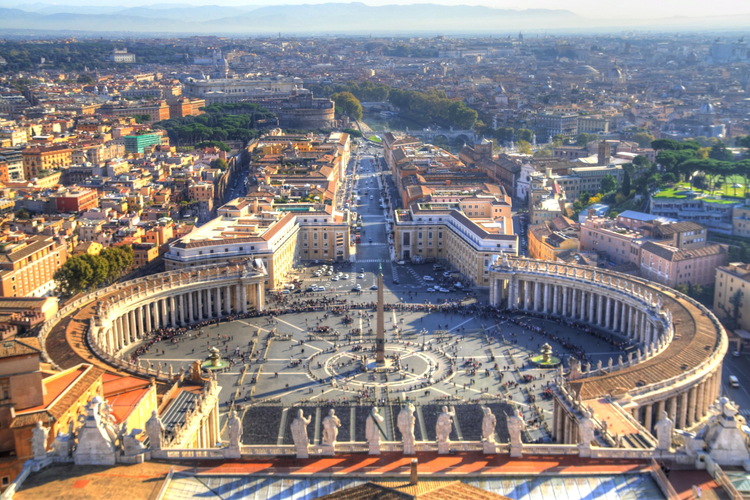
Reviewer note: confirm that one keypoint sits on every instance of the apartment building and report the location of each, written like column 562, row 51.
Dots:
column 41, row 159
column 278, row 235
column 553, row 239
column 27, row 266
column 732, row 294
column 465, row 233
column 671, row 253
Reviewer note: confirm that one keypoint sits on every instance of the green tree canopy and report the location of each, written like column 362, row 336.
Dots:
column 609, row 183
column 347, row 104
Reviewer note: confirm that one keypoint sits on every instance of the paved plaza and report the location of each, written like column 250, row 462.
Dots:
column 322, row 359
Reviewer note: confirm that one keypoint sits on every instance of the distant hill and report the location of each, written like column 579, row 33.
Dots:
column 329, row 18
column 320, row 18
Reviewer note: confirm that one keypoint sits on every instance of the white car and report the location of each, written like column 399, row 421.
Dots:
column 430, row 289
column 428, row 278
column 346, row 276
column 361, row 276
column 335, row 278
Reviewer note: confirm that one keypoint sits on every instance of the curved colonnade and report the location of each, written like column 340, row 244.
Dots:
column 124, row 314
column 682, row 344
column 174, row 299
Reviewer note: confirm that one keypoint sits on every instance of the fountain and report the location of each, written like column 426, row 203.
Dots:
column 545, row 359
column 214, row 361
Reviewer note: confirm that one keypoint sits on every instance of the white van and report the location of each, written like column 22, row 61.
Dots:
column 733, row 381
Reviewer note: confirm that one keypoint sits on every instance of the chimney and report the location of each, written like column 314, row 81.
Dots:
column 414, row 478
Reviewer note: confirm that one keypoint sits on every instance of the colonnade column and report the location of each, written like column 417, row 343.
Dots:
column 556, row 299
column 164, row 316
column 591, row 307
column 217, row 302
column 682, row 422
column 537, row 296
column 243, row 297
column 139, row 314
column 600, row 310
column 648, row 417
column 607, row 312
column 564, row 291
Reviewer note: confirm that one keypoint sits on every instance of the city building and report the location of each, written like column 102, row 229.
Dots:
column 38, row 161
column 139, row 143
column 553, row 240
column 122, row 56
column 714, row 213
column 731, row 294
column 465, row 233
column 279, row 235
column 27, row 266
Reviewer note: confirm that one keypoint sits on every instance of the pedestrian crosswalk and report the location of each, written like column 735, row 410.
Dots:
column 371, row 261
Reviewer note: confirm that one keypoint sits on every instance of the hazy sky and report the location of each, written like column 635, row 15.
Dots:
column 588, row 8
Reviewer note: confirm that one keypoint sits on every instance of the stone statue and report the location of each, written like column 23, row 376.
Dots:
column 374, row 430
column 586, row 430
column 443, row 429
column 61, row 446
column 504, row 259
column 299, row 434
column 664, row 428
column 130, row 443
column 516, row 425
column 39, row 441
column 95, row 447
column 234, row 429
column 405, row 424
column 331, row 426
column 489, row 421
column 155, row 431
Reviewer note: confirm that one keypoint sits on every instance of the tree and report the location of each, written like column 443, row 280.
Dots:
column 625, row 188
column 524, row 134
column 221, row 146
column 74, row 276
column 720, row 152
column 220, row 163
column 583, row 139
column 347, row 104
column 558, row 140
column 644, row 139
column 609, row 183
column 524, row 147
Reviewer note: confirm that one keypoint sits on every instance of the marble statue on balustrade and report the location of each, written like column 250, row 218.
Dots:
column 331, row 426
column 95, row 446
column 155, row 431
column 39, row 441
column 585, row 434
column 722, row 437
column 664, row 429
column 443, row 428
column 516, row 425
column 62, row 445
column 374, row 430
column 405, row 423
column 234, row 434
column 299, row 434
column 489, row 423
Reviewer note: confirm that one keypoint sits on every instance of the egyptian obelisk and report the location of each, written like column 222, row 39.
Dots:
column 380, row 324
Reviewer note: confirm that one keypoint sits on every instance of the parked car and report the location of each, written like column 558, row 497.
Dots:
column 374, row 287
column 428, row 278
